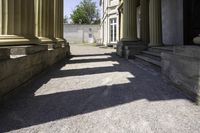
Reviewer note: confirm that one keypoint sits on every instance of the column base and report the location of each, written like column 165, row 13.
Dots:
column 129, row 49
column 45, row 40
column 17, row 40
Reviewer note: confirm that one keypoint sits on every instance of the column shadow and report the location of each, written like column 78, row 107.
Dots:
column 26, row 109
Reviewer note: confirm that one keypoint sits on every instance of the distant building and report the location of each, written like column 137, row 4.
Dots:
column 109, row 22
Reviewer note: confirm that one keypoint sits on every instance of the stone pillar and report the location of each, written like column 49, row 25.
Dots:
column 155, row 23
column 58, row 20
column 120, row 11
column 129, row 20
column 144, row 21
column 45, row 20
column 17, row 22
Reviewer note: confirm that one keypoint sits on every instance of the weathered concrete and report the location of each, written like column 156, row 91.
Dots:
column 96, row 92
column 16, row 71
column 183, row 69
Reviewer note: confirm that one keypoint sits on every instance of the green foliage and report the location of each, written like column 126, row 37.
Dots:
column 85, row 13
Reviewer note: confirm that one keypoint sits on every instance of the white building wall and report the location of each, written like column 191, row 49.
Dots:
column 82, row 33
column 109, row 11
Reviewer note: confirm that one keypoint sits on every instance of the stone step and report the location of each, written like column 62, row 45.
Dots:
column 161, row 49
column 149, row 60
column 153, row 55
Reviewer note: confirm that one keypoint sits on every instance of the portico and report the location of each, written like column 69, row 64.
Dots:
column 31, row 40
column 31, row 22
column 167, row 28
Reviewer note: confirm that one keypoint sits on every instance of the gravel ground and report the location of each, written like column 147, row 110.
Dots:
column 98, row 92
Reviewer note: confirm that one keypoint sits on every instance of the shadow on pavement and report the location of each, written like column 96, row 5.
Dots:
column 26, row 109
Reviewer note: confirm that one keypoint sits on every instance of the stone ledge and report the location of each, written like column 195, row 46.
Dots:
column 188, row 51
column 28, row 50
column 15, row 72
column 4, row 53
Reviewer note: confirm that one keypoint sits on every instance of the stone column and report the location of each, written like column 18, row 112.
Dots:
column 144, row 21
column 45, row 20
column 129, row 20
column 155, row 23
column 17, row 22
column 58, row 20
column 120, row 24
column 120, row 21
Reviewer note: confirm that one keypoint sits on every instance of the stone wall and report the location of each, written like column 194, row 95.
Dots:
column 172, row 22
column 82, row 33
column 183, row 69
column 21, row 68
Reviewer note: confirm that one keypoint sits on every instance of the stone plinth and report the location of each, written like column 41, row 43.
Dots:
column 16, row 71
column 4, row 53
column 54, row 46
column 183, row 69
column 130, row 48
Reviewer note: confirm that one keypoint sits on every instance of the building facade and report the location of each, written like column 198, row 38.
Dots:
column 31, row 40
column 168, row 37
column 109, row 22
column 159, row 23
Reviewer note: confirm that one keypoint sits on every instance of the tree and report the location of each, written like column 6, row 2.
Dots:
column 85, row 13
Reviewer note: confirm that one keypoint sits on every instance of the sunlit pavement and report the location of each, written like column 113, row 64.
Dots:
column 98, row 92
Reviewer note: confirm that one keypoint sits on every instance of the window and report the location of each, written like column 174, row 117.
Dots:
column 113, row 30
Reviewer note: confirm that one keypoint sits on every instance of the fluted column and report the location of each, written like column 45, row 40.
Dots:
column 121, row 25
column 45, row 20
column 58, row 20
column 17, row 22
column 144, row 20
column 129, row 20
column 155, row 23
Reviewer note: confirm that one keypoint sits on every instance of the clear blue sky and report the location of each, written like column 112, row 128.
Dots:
column 69, row 5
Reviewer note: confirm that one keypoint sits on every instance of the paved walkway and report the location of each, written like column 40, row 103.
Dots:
column 98, row 92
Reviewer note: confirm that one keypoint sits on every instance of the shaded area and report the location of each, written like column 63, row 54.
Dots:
column 26, row 109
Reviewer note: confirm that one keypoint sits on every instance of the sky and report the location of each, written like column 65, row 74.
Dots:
column 69, row 5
